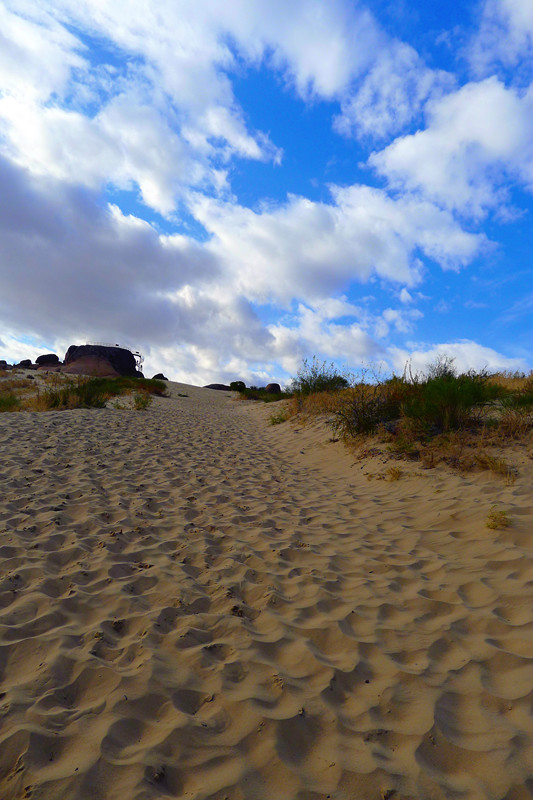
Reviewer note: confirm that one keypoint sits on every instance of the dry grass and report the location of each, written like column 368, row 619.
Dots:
column 318, row 403
column 449, row 420
column 9, row 384
column 513, row 381
column 497, row 518
column 514, row 423
column 56, row 391
column 497, row 465
column 394, row 473
column 279, row 416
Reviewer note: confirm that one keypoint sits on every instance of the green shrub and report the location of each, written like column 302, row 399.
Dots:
column 95, row 392
column 367, row 405
column 277, row 417
column 237, row 386
column 450, row 402
column 316, row 376
column 141, row 401
column 253, row 393
column 9, row 402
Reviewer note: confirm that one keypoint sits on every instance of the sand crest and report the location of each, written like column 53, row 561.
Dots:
column 196, row 605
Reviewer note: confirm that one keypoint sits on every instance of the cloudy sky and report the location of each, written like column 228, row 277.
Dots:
column 233, row 185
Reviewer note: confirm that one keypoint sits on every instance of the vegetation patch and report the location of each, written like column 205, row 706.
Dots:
column 497, row 518
column 95, row 392
column 317, row 376
column 277, row 417
column 442, row 417
column 61, row 392
column 260, row 393
column 9, row 402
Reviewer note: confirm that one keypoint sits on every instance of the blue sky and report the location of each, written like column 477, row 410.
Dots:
column 234, row 186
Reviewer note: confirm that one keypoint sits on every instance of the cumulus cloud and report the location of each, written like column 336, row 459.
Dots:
column 167, row 116
column 72, row 271
column 139, row 97
column 391, row 94
column 505, row 37
column 467, row 355
column 36, row 57
column 318, row 329
column 460, row 159
column 67, row 264
column 308, row 250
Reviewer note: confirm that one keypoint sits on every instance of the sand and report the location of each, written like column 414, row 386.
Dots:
column 195, row 604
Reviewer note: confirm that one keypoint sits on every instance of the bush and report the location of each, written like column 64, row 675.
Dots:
column 141, row 401
column 366, row 406
column 237, row 386
column 253, row 393
column 316, row 376
column 9, row 402
column 95, row 392
column 449, row 402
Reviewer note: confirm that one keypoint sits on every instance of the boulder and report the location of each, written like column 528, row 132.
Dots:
column 273, row 388
column 25, row 363
column 159, row 377
column 49, row 358
column 95, row 366
column 119, row 360
column 4, row 364
column 221, row 387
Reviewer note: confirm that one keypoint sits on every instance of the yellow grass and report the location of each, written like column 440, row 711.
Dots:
column 497, row 518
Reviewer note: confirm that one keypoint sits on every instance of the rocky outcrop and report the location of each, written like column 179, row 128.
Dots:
column 221, row 387
column 159, row 377
column 91, row 365
column 48, row 358
column 273, row 388
column 100, row 360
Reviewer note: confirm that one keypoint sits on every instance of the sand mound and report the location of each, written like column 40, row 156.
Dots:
column 196, row 605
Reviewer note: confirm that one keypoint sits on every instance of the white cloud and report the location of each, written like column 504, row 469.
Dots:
column 315, row 329
column 466, row 354
column 168, row 113
column 505, row 35
column 391, row 94
column 72, row 272
column 311, row 250
column 80, row 268
column 36, row 59
column 123, row 145
column 460, row 159
column 162, row 119
column 139, row 96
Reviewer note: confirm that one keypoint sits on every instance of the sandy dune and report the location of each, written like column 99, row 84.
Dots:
column 196, row 605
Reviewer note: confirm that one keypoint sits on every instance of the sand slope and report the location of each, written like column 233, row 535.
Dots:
column 196, row 605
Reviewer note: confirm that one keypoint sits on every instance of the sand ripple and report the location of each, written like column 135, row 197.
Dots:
column 189, row 608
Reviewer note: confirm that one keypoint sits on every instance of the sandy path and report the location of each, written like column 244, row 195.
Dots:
column 195, row 605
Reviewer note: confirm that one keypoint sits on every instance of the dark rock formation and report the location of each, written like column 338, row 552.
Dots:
column 118, row 360
column 49, row 358
column 25, row 363
column 159, row 377
column 4, row 364
column 273, row 388
column 220, row 386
